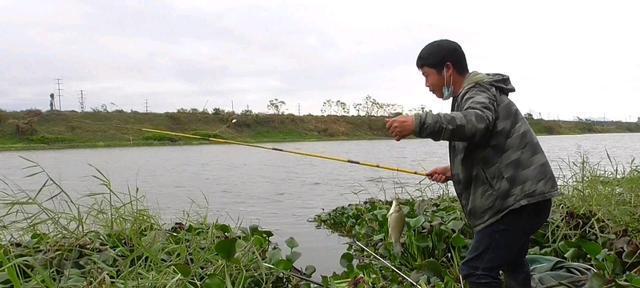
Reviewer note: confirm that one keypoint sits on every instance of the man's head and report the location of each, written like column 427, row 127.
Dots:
column 442, row 64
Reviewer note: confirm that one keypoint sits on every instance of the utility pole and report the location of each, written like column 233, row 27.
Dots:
column 232, row 110
column 298, row 109
column 146, row 105
column 81, row 100
column 59, row 82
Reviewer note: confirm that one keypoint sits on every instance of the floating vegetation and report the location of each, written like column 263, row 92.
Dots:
column 595, row 223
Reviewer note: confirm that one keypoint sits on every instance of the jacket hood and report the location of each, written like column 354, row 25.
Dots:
column 500, row 82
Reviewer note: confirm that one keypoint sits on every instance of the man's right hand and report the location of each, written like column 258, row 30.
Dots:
column 440, row 174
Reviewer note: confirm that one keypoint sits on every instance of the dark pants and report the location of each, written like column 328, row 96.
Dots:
column 503, row 246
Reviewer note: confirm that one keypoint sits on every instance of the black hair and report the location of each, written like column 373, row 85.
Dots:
column 437, row 53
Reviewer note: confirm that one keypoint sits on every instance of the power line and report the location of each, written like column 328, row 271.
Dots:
column 59, row 82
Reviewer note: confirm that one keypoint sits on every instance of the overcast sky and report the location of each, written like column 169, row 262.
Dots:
column 565, row 58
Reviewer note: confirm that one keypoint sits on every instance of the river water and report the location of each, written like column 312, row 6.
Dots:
column 278, row 191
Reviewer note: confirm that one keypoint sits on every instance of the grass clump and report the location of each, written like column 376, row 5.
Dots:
column 157, row 137
column 50, row 139
column 111, row 239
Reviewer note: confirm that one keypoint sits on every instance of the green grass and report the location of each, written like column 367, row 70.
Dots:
column 558, row 127
column 54, row 130
column 111, row 239
column 105, row 129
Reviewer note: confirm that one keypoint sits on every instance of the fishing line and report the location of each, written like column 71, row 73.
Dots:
column 307, row 154
column 300, row 153
column 386, row 263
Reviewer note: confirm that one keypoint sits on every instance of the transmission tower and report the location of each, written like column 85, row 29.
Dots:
column 59, row 82
column 82, row 101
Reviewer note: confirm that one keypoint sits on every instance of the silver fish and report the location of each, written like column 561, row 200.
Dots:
column 395, row 220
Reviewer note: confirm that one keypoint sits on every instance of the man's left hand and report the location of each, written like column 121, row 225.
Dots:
column 401, row 127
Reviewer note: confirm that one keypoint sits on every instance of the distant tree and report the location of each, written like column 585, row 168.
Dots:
column 101, row 108
column 51, row 101
column 182, row 110
column 276, row 106
column 217, row 111
column 358, row 108
column 341, row 108
column 420, row 109
column 391, row 109
column 529, row 116
column 246, row 112
column 372, row 107
column 327, row 107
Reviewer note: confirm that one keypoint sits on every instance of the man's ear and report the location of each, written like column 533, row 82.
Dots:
column 448, row 67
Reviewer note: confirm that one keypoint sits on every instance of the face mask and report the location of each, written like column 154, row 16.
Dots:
column 447, row 91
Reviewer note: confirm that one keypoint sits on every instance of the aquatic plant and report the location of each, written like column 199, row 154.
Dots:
column 594, row 222
column 111, row 239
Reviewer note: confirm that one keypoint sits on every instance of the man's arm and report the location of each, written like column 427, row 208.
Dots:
column 469, row 125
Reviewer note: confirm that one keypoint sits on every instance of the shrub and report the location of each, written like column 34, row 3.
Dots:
column 159, row 138
column 32, row 113
column 49, row 139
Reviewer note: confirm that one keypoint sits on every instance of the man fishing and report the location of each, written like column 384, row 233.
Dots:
column 499, row 171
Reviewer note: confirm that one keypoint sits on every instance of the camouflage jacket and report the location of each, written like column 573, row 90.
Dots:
column 496, row 161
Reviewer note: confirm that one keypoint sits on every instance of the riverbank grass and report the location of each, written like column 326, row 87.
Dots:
column 111, row 239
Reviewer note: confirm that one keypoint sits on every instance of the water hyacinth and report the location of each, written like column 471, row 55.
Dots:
column 594, row 223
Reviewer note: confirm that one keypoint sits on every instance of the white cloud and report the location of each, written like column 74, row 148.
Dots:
column 565, row 58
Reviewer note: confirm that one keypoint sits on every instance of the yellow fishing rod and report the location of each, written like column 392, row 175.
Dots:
column 306, row 154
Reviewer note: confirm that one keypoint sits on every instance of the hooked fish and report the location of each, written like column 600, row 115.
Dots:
column 395, row 220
